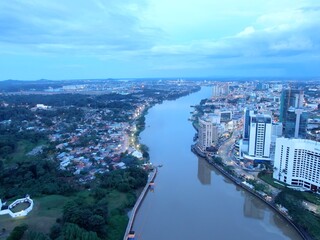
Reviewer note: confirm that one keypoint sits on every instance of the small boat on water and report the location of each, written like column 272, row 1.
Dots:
column 131, row 235
column 160, row 165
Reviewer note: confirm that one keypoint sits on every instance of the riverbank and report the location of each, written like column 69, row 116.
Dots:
column 138, row 204
column 246, row 187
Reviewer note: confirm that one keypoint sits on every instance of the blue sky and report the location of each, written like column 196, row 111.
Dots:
column 159, row 38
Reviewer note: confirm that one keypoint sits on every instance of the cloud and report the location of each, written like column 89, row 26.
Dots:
column 152, row 35
column 276, row 34
column 246, row 32
column 90, row 27
column 105, row 27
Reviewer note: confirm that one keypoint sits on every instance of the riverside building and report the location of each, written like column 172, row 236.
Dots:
column 260, row 136
column 256, row 143
column 297, row 163
column 205, row 134
column 208, row 133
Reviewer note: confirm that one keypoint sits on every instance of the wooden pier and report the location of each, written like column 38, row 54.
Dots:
column 128, row 234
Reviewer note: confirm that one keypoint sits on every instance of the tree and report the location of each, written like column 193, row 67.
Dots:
column 37, row 236
column 18, row 232
column 86, row 216
column 1, row 165
column 99, row 193
column 55, row 231
column 72, row 231
column 218, row 160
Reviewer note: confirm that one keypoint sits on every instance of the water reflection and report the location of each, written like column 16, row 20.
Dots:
column 204, row 172
column 253, row 207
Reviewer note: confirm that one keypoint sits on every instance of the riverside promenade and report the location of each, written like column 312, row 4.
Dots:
column 138, row 203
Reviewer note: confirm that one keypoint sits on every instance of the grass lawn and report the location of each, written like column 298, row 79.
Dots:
column 117, row 221
column 23, row 148
column 270, row 180
column 116, row 200
column 20, row 207
column 44, row 214
column 85, row 195
column 310, row 197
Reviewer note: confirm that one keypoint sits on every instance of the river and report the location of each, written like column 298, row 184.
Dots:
column 191, row 200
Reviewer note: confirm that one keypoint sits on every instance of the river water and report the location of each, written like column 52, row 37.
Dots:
column 191, row 200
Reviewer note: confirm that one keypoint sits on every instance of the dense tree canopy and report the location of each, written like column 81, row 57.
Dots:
column 35, row 176
column 91, row 217
column 125, row 180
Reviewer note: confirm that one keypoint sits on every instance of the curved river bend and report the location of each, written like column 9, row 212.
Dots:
column 191, row 200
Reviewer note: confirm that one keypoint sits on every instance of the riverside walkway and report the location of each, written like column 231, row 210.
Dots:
column 137, row 205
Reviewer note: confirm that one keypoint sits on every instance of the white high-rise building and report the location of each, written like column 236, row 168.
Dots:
column 219, row 90
column 260, row 135
column 205, row 134
column 216, row 91
column 297, row 163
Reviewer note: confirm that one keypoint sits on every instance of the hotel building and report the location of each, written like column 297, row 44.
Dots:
column 297, row 163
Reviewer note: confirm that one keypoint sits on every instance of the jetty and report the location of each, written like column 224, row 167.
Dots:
column 130, row 234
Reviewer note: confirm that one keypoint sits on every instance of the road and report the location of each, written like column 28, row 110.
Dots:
column 226, row 153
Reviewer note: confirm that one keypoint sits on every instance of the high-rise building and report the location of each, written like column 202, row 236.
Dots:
column 297, row 163
column 246, row 123
column 292, row 115
column 205, row 134
column 255, row 146
column 290, row 98
column 295, row 125
column 216, row 91
column 260, row 135
column 215, row 134
column 219, row 90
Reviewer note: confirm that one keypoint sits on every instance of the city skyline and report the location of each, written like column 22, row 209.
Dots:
column 112, row 39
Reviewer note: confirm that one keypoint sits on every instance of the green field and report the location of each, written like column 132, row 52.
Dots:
column 23, row 147
column 47, row 209
column 117, row 219
column 20, row 207
column 268, row 178
column 44, row 214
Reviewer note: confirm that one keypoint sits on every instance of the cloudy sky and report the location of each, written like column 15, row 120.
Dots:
column 68, row 39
